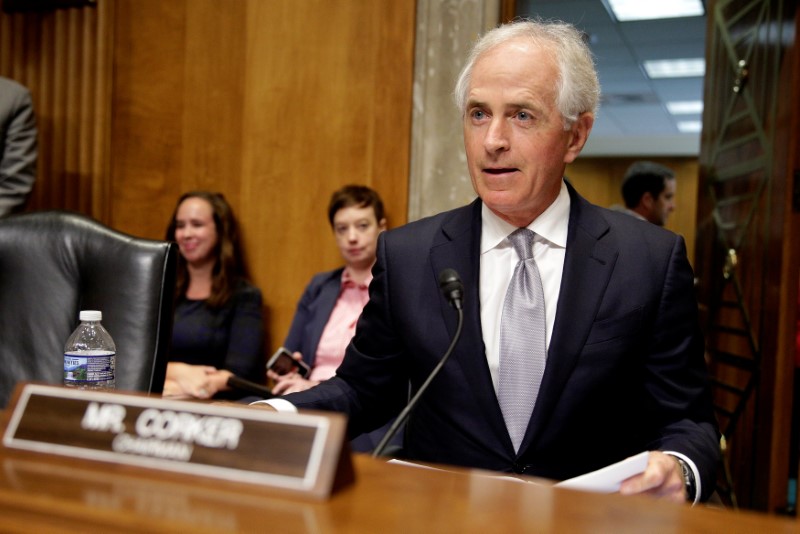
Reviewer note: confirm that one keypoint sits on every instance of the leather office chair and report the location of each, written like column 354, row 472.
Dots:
column 54, row 264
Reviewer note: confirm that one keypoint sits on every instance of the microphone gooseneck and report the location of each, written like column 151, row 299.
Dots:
column 235, row 382
column 453, row 290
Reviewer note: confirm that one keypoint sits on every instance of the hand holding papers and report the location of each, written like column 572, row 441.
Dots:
column 609, row 478
column 605, row 480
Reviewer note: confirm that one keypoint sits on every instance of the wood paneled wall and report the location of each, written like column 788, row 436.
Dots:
column 274, row 103
column 61, row 55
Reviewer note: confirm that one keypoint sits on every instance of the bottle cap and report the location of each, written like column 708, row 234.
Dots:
column 91, row 315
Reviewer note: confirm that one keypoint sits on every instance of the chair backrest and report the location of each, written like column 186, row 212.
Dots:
column 54, row 264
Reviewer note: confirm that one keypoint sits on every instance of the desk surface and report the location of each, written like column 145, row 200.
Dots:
column 42, row 493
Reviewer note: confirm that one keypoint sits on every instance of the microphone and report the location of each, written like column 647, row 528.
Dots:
column 453, row 290
column 451, row 286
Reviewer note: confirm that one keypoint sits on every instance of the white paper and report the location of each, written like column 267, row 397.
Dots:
column 609, row 478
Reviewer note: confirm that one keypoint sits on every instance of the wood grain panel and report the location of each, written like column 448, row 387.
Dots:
column 747, row 259
column 44, row 493
column 324, row 106
column 146, row 142
column 275, row 104
column 212, row 97
column 177, row 101
column 58, row 55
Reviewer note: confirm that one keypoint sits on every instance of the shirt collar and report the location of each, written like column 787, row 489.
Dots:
column 552, row 225
column 347, row 280
column 635, row 214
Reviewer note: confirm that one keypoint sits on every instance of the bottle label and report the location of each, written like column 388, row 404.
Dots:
column 89, row 366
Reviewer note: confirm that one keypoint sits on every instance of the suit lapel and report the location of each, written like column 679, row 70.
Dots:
column 588, row 264
column 459, row 248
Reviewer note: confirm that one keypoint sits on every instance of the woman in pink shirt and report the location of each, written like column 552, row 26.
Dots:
column 326, row 316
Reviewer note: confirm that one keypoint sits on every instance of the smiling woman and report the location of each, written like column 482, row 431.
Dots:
column 218, row 326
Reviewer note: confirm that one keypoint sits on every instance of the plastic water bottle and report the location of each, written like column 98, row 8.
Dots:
column 90, row 354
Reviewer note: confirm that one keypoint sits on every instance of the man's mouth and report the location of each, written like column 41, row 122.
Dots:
column 502, row 170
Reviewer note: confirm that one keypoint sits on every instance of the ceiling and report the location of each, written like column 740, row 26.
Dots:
column 633, row 118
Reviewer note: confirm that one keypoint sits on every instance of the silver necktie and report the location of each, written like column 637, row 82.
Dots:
column 522, row 339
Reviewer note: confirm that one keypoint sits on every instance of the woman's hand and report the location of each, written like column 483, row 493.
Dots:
column 186, row 381
column 218, row 380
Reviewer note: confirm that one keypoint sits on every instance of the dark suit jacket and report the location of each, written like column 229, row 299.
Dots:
column 312, row 314
column 17, row 145
column 625, row 369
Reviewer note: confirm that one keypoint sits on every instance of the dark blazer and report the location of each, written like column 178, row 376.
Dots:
column 625, row 370
column 17, row 146
column 312, row 314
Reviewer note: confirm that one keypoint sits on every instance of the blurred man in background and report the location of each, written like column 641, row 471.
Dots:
column 648, row 190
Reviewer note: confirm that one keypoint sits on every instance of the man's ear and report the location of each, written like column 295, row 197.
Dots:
column 579, row 134
column 647, row 201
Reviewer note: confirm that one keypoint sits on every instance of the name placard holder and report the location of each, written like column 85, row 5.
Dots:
column 302, row 453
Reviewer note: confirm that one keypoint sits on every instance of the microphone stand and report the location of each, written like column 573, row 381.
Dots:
column 410, row 406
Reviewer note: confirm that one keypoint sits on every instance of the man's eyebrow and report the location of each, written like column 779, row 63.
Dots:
column 527, row 104
column 518, row 105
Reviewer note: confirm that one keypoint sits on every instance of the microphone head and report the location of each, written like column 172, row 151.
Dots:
column 451, row 286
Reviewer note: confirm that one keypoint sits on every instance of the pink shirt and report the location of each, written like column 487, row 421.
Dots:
column 340, row 326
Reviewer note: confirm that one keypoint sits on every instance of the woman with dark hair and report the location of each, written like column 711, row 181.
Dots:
column 326, row 315
column 218, row 329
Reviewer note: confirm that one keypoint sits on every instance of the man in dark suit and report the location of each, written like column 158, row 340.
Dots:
column 624, row 365
column 17, row 146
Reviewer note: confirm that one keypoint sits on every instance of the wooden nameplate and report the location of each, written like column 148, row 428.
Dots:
column 299, row 453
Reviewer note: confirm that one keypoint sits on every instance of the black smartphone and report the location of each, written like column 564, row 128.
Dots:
column 282, row 363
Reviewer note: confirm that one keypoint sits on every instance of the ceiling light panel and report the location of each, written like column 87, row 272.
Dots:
column 690, row 126
column 675, row 68
column 685, row 107
column 628, row 10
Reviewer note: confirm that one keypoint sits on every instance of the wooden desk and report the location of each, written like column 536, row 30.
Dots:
column 42, row 493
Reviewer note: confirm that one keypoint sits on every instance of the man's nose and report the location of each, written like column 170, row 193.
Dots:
column 497, row 135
